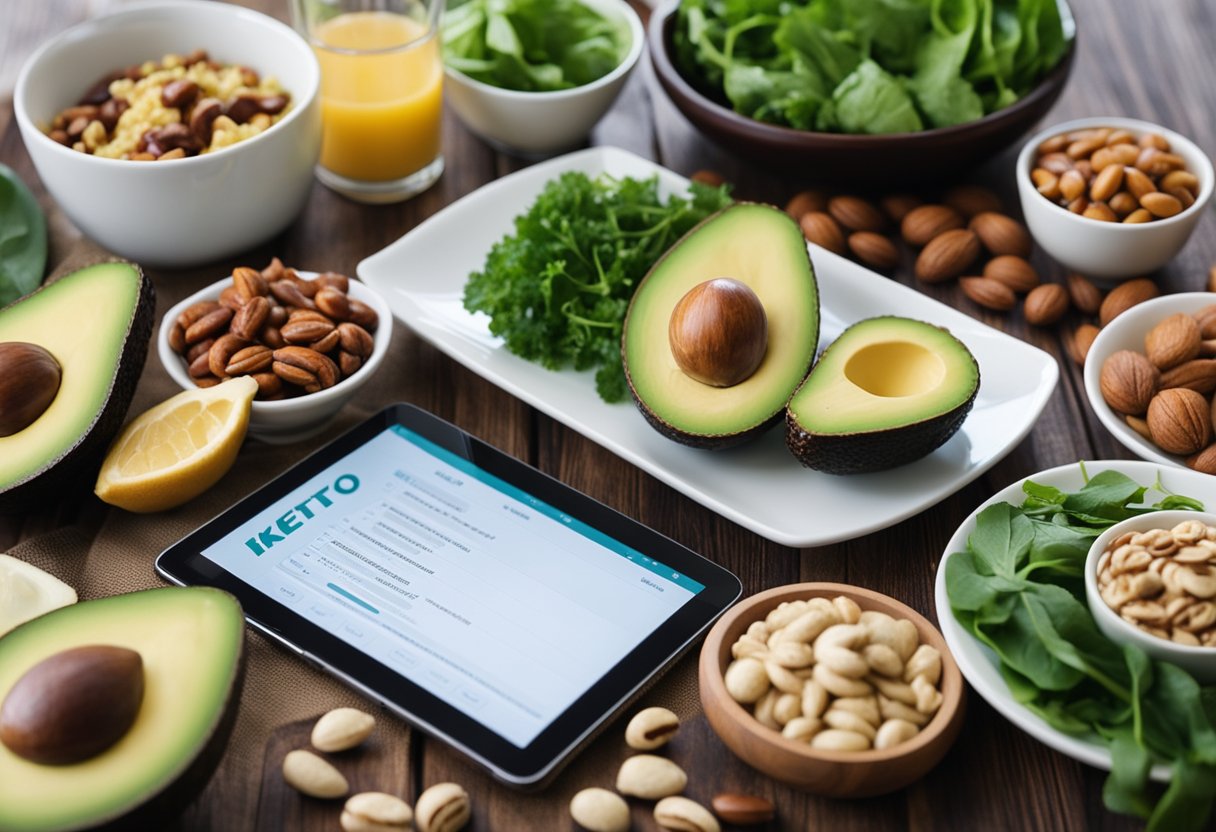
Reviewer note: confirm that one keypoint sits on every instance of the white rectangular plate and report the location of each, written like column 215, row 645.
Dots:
column 758, row 485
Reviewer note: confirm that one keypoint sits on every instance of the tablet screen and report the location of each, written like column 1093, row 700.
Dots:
column 493, row 600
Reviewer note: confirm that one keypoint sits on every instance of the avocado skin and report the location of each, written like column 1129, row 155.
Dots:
column 78, row 464
column 862, row 453
column 708, row 442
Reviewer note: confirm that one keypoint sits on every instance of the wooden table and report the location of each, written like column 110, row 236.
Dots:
column 1146, row 60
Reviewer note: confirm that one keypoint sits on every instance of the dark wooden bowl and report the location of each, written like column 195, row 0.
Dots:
column 941, row 154
column 830, row 773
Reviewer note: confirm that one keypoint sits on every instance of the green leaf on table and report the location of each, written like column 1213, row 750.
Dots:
column 23, row 244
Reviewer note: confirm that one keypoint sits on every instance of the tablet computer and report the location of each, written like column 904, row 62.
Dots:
column 475, row 596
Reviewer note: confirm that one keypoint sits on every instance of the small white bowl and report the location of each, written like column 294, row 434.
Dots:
column 192, row 210
column 1109, row 250
column 1126, row 332
column 1200, row 662
column 541, row 123
column 288, row 420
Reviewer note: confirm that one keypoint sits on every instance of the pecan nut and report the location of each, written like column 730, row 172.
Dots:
column 298, row 331
column 195, row 311
column 332, row 302
column 208, row 325
column 249, row 361
column 321, row 368
column 221, row 352
column 289, row 294
column 250, row 318
column 355, row 340
column 249, row 283
column 363, row 315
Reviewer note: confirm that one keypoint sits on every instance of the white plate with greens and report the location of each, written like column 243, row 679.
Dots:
column 979, row 663
column 758, row 485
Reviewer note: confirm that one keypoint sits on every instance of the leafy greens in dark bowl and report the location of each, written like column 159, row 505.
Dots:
column 913, row 96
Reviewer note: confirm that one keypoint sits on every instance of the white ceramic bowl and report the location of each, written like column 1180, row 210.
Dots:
column 544, row 122
column 191, row 210
column 1127, row 332
column 288, row 420
column 1200, row 662
column 1107, row 250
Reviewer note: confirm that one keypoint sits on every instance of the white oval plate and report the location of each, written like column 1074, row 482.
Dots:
column 1127, row 332
column 979, row 664
column 758, row 485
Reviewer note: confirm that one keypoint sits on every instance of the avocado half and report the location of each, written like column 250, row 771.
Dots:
column 96, row 323
column 191, row 642
column 763, row 248
column 887, row 392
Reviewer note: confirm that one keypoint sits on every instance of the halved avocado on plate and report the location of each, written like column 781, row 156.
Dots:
column 762, row 250
column 887, row 392
column 191, row 642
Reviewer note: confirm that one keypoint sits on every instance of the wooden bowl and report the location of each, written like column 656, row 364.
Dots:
column 830, row 773
column 885, row 161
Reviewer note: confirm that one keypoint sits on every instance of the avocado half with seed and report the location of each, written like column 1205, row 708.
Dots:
column 191, row 645
column 887, row 392
column 723, row 328
column 94, row 324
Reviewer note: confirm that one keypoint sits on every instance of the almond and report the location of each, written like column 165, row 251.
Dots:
column 1128, row 382
column 1015, row 272
column 899, row 206
column 1179, row 421
column 1173, row 341
column 1207, row 318
column 1046, row 304
column 875, row 250
column 1124, row 296
column 805, row 202
column 970, row 200
column 855, row 214
column 924, row 223
column 1198, row 375
column 1001, row 234
column 947, row 256
column 1204, row 461
column 1082, row 340
column 989, row 293
column 820, row 229
column 1085, row 295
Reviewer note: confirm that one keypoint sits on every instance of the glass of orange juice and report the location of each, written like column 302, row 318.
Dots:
column 381, row 94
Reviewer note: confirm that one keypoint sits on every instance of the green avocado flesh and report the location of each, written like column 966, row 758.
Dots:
column 96, row 323
column 191, row 642
column 886, row 392
column 761, row 247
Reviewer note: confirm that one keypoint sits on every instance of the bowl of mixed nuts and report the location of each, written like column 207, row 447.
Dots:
column 309, row 340
column 174, row 133
column 1150, row 377
column 1151, row 580
column 834, row 689
column 1110, row 197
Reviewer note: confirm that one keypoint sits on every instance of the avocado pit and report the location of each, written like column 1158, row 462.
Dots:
column 718, row 332
column 29, row 382
column 73, row 705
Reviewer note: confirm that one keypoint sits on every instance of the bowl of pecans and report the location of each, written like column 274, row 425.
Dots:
column 174, row 133
column 1112, row 198
column 309, row 340
column 1151, row 581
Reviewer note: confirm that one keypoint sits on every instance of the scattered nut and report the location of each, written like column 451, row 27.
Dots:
column 684, row 815
column 313, row 776
column 1001, row 234
column 1124, row 297
column 1015, row 272
column 947, row 256
column 651, row 728
column 989, row 293
column 1082, row 339
column 443, row 807
column 922, row 224
column 743, row 809
column 376, row 812
column 341, row 729
column 1046, row 304
column 1085, row 295
column 650, row 777
column 599, row 810
column 819, row 228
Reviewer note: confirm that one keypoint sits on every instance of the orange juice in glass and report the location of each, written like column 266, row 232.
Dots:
column 381, row 94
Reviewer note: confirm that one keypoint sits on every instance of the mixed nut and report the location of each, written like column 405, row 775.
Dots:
column 837, row 678
column 1165, row 393
column 1111, row 175
column 1164, row 581
column 290, row 334
column 182, row 106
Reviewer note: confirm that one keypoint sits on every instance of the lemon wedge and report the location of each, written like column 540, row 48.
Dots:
column 177, row 450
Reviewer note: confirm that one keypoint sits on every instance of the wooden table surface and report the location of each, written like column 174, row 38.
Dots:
column 1145, row 60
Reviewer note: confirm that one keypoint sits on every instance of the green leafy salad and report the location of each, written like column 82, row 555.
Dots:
column 22, row 238
column 1019, row 589
column 558, row 288
column 532, row 45
column 868, row 66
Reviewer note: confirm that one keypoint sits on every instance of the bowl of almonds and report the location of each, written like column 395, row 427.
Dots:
column 1112, row 198
column 834, row 689
column 1150, row 376
column 1151, row 580
column 309, row 340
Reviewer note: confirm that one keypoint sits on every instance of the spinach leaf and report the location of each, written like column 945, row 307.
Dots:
column 1017, row 589
column 22, row 238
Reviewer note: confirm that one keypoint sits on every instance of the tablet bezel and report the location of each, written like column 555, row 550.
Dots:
column 183, row 563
